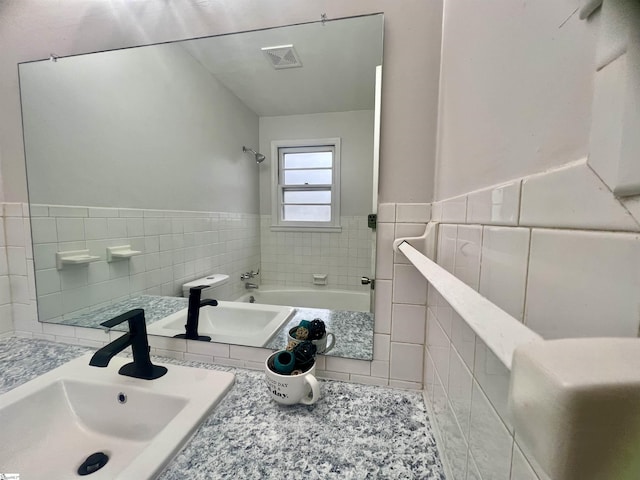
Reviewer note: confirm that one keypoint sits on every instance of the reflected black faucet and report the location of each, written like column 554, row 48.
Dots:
column 141, row 367
column 193, row 314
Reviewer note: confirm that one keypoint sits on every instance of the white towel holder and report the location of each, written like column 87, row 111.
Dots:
column 425, row 243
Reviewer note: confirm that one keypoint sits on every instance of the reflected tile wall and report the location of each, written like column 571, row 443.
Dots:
column 397, row 364
column 291, row 258
column 176, row 247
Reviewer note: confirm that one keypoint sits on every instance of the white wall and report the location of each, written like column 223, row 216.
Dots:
column 355, row 130
column 123, row 128
column 516, row 88
column 32, row 29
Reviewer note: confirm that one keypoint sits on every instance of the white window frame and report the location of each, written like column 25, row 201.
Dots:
column 278, row 224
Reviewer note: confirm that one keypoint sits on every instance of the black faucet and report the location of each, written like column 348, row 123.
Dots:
column 141, row 367
column 193, row 314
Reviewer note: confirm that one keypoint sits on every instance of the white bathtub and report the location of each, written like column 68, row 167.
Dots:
column 309, row 297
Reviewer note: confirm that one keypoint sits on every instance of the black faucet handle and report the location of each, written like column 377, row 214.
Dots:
column 196, row 292
column 199, row 288
column 128, row 316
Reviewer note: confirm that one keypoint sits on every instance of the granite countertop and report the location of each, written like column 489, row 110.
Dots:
column 156, row 307
column 353, row 431
column 353, row 330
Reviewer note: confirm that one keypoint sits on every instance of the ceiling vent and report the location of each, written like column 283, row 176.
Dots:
column 282, row 56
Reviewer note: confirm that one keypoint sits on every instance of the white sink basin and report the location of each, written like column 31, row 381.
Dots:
column 51, row 424
column 241, row 323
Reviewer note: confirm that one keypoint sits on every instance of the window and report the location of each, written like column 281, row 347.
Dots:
column 307, row 184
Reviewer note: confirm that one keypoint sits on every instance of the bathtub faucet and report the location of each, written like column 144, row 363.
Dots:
column 251, row 286
column 249, row 275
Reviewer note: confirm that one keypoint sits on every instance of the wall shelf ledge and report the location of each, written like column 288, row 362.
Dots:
column 74, row 257
column 121, row 252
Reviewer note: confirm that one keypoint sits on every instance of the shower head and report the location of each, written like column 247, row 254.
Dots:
column 258, row 156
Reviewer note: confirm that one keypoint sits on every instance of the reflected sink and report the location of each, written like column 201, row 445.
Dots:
column 51, row 424
column 240, row 323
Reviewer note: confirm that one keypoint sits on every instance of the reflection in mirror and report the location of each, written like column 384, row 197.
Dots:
column 154, row 167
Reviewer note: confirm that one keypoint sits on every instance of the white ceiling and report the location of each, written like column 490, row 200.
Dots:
column 338, row 72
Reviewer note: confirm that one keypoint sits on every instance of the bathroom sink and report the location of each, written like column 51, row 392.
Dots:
column 248, row 324
column 51, row 424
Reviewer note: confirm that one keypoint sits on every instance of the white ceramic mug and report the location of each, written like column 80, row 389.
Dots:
column 321, row 343
column 292, row 389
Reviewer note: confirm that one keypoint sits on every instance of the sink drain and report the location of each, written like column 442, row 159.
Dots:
column 93, row 463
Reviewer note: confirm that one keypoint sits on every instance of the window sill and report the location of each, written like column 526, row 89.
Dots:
column 301, row 228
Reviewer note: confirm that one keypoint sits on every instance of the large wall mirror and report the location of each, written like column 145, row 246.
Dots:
column 250, row 156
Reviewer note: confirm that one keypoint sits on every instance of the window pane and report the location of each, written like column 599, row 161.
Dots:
column 308, row 160
column 307, row 177
column 307, row 213
column 307, row 196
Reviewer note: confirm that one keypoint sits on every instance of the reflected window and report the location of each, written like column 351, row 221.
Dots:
column 308, row 185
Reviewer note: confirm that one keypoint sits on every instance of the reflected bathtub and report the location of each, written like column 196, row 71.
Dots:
column 309, row 297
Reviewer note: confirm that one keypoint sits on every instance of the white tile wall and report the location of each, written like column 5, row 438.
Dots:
column 178, row 240
column 406, row 362
column 572, row 197
column 615, row 27
column 520, row 468
column 561, row 282
column 409, row 323
column 459, row 390
column 495, row 205
column 505, row 259
column 403, row 230
column 413, row 212
column 454, row 210
column 583, row 284
column 468, row 247
column 606, row 123
column 632, row 204
column 493, row 377
column 291, row 258
column 439, row 347
column 463, row 339
column 384, row 243
column 454, row 442
column 177, row 247
column 383, row 294
column 409, row 286
column 387, row 213
column 490, row 443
